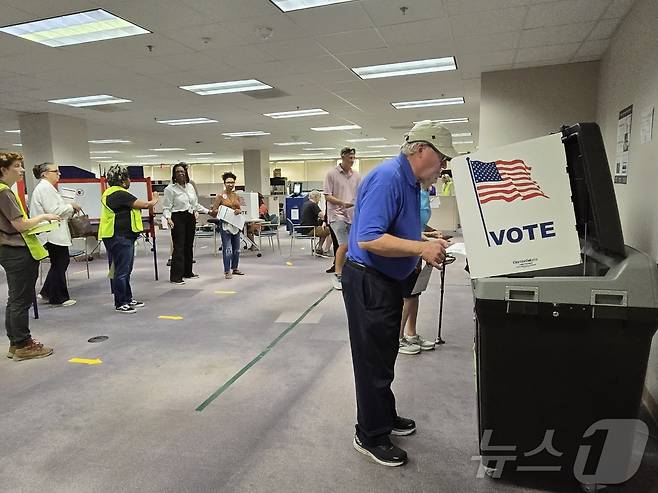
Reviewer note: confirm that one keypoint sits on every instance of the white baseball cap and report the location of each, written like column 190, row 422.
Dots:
column 437, row 136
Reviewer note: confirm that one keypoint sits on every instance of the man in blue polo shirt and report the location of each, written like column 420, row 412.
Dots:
column 384, row 248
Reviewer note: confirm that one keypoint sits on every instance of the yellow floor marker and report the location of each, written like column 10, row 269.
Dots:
column 84, row 361
column 170, row 317
column 289, row 264
column 225, row 292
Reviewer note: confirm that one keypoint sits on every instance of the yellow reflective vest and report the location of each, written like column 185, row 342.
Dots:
column 37, row 250
column 106, row 226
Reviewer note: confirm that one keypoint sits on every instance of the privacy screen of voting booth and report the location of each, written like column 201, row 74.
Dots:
column 562, row 353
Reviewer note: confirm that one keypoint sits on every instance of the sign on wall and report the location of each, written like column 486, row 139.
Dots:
column 515, row 208
column 623, row 144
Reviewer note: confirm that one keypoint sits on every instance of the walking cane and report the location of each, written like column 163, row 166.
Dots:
column 447, row 261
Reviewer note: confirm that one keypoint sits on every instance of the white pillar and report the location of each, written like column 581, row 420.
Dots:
column 257, row 170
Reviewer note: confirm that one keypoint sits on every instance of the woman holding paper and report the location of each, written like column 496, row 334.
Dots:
column 230, row 233
column 47, row 200
column 20, row 253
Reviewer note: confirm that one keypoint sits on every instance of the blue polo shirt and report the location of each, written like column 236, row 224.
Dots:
column 388, row 201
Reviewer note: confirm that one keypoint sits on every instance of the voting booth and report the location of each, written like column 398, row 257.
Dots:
column 561, row 352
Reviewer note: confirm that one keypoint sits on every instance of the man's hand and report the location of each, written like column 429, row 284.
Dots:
column 76, row 207
column 433, row 234
column 347, row 205
column 236, row 211
column 434, row 252
column 170, row 223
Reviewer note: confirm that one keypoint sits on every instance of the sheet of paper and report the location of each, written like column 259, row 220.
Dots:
column 423, row 279
column 228, row 215
column 457, row 248
column 294, row 214
column 43, row 227
column 646, row 126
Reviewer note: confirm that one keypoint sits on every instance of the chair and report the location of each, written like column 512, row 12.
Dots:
column 270, row 230
column 297, row 232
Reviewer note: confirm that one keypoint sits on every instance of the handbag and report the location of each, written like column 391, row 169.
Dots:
column 80, row 226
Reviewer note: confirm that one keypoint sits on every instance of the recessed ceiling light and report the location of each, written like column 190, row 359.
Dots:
column 367, row 139
column 319, row 149
column 107, row 152
column 463, row 142
column 427, row 102
column 109, row 141
column 148, row 155
column 462, row 134
column 166, row 149
column 292, row 143
column 188, row 121
column 254, row 133
column 384, row 146
column 448, row 120
column 201, row 154
column 406, row 68
column 336, row 127
column 101, row 158
column 297, row 113
column 312, row 154
column 83, row 101
column 227, row 87
column 17, row 145
column 81, row 27
column 290, row 5
column 13, row 131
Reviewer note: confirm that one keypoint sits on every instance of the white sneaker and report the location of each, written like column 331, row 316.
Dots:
column 424, row 344
column 407, row 347
column 337, row 282
column 69, row 303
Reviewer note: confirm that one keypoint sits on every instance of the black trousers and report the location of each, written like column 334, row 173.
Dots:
column 22, row 273
column 373, row 303
column 182, row 236
column 54, row 288
column 334, row 240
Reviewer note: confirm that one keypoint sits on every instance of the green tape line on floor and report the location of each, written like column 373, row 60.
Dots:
column 245, row 368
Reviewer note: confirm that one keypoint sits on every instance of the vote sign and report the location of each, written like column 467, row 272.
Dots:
column 515, row 208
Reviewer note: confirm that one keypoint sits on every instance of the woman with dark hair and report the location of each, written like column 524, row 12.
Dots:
column 230, row 234
column 120, row 225
column 180, row 207
column 47, row 200
column 20, row 253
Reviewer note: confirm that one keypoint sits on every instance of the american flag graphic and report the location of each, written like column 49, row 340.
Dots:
column 504, row 180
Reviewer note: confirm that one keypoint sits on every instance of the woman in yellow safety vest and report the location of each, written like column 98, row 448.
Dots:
column 20, row 253
column 120, row 225
column 447, row 185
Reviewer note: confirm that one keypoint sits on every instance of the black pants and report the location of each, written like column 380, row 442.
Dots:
column 374, row 312
column 22, row 272
column 182, row 236
column 334, row 240
column 54, row 289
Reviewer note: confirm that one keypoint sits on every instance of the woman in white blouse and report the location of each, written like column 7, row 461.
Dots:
column 47, row 200
column 181, row 207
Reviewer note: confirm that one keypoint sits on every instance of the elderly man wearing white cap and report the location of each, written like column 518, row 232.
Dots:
column 384, row 248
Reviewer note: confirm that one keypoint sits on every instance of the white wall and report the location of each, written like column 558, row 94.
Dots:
column 526, row 103
column 629, row 75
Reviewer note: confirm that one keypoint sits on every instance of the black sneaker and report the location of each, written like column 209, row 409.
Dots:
column 169, row 263
column 178, row 282
column 136, row 304
column 385, row 454
column 193, row 276
column 403, row 426
column 125, row 309
column 331, row 269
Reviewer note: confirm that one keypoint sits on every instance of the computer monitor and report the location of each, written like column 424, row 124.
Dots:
column 297, row 188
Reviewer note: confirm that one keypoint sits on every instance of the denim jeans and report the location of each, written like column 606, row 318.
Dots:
column 230, row 250
column 121, row 253
column 22, row 272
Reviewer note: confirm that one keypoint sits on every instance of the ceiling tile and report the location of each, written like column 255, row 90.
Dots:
column 385, row 12
column 338, row 18
column 230, row 10
column 364, row 39
column 495, row 21
column 568, row 33
column 417, row 32
column 618, row 9
column 593, row 48
column 156, row 15
column 497, row 41
column 546, row 52
column 459, row 7
column 604, row 29
column 542, row 63
column 556, row 13
column 293, row 49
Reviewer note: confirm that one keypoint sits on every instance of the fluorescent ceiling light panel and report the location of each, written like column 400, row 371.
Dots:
column 462, row 134
column 367, row 139
column 385, row 146
column 292, row 143
column 297, row 113
column 319, row 149
column 201, row 154
column 313, row 154
column 406, row 68
column 106, row 152
column 109, row 141
column 464, row 142
column 166, row 149
column 449, row 120
column 255, row 133
column 427, row 102
column 82, row 27
column 226, row 87
column 188, row 121
column 98, row 100
column 148, row 155
column 290, row 5
column 12, row 131
column 336, row 127
column 17, row 145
